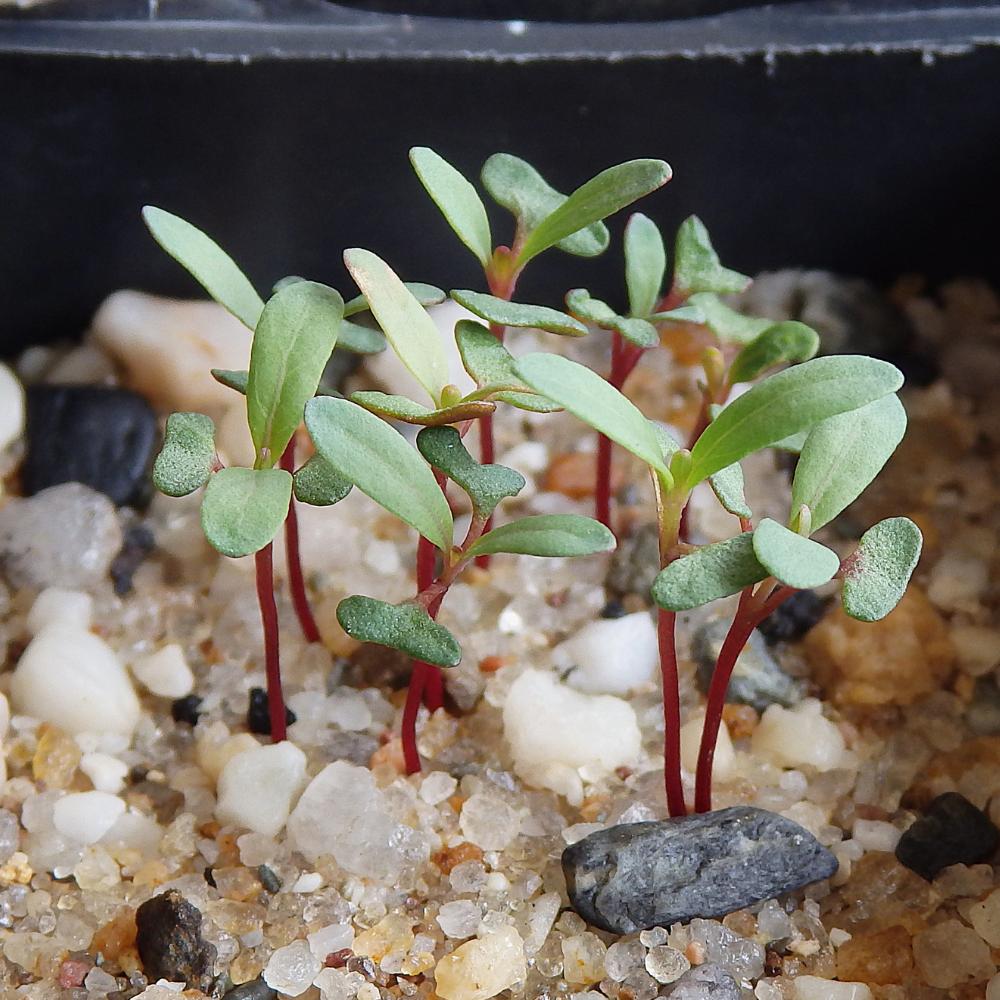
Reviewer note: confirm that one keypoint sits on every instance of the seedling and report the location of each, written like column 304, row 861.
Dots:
column 853, row 421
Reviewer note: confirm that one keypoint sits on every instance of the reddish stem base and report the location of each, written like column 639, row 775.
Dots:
column 264, row 565
column 666, row 623
column 296, row 578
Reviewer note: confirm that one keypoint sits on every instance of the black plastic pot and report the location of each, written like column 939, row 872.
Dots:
column 860, row 137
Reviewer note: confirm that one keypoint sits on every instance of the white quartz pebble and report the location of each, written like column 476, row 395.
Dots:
column 73, row 679
column 106, row 773
column 4, row 715
column 11, row 407
column 876, row 835
column 258, row 787
column 725, row 757
column 58, row 606
column 611, row 655
column 480, row 969
column 790, row 737
column 437, row 786
column 292, row 968
column 814, row 988
column 85, row 817
column 488, row 822
column 333, row 937
column 165, row 673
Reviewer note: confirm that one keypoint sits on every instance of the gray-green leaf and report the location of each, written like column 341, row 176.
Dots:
column 696, row 264
column 426, row 295
column 728, row 487
column 232, row 379
column 243, row 509
column 640, row 332
column 406, row 627
column 504, row 313
column 708, row 574
column 792, row 559
column 783, row 343
column 319, row 484
column 405, row 409
column 359, row 339
column 377, row 459
column 875, row 577
column 645, row 262
column 188, row 454
column 207, row 262
column 547, row 535
column 730, row 326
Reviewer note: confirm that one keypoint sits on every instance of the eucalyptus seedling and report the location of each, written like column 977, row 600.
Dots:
column 802, row 398
column 369, row 453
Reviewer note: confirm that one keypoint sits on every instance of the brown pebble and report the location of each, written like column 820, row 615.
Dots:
column 695, row 953
column 116, row 935
column 389, row 755
column 740, row 720
column 574, row 474
column 773, row 963
column 491, row 664
column 338, row 959
column 452, row 857
column 881, row 959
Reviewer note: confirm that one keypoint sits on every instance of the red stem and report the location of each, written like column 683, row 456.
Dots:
column 666, row 622
column 296, row 579
column 433, row 686
column 264, row 565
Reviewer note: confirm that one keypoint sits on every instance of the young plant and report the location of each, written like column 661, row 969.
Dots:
column 847, row 406
column 369, row 453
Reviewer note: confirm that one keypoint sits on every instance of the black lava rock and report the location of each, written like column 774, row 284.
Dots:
column 258, row 717
column 104, row 438
column 952, row 831
column 186, row 709
column 639, row 875
column 170, row 944
column 792, row 619
column 136, row 545
column 256, row 989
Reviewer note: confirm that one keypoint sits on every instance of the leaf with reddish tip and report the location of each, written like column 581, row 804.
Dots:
column 875, row 577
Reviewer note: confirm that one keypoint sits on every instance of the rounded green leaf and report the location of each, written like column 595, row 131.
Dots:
column 244, row 509
column 594, row 401
column 783, row 343
column 547, row 535
column 730, row 326
column 708, row 574
column 843, row 454
column 318, row 483
column 792, row 559
column 403, row 408
column 645, row 263
column 359, row 339
column 377, row 459
column 291, row 346
column 640, row 332
column 696, row 264
column 185, row 462
column 405, row 323
column 456, row 198
column 728, row 486
column 788, row 402
column 406, row 627
column 875, row 577
column 505, row 313
column 207, row 262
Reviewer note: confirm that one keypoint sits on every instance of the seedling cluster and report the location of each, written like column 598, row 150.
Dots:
column 840, row 413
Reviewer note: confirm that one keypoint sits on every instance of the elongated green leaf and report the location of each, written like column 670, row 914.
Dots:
column 640, row 332
column 319, row 484
column 547, row 535
column 730, row 326
column 587, row 396
column 403, row 408
column 244, row 509
column 406, row 627
column 377, row 459
column 794, row 443
column 708, row 574
column 188, row 454
column 518, row 187
column 788, row 402
column 843, row 454
column 457, row 200
column 780, row 344
column 495, row 310
column 359, row 339
column 291, row 346
column 696, row 264
column 426, row 295
column 792, row 559
column 875, row 577
column 645, row 263
column 232, row 379
column 682, row 314
column 207, row 263
column 601, row 196
column 728, row 486
column 486, row 485
column 406, row 325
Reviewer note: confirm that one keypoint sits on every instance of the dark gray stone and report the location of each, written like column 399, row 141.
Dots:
column 169, row 942
column 758, row 679
column 635, row 563
column 706, row 982
column 642, row 875
column 793, row 618
column 256, row 989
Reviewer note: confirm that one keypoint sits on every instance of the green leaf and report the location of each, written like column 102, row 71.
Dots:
column 645, row 263
column 518, row 187
column 291, row 346
column 696, row 264
column 794, row 443
column 788, row 402
column 231, row 379
column 843, row 454
column 728, row 486
column 780, row 344
column 244, row 509
column 409, row 329
column 359, row 339
column 707, row 574
column 406, row 627
column 319, row 484
column 457, row 200
column 505, row 313
column 207, row 262
column 405, row 409
column 597, row 403
column 377, row 459
column 185, row 462
column 547, row 535
column 637, row 331
column 730, row 326
column 792, row 559
column 682, row 314
column 486, row 485
column 875, row 577
column 426, row 295
column 601, row 196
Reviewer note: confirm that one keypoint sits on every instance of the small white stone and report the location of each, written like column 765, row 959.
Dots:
column 57, row 606
column 839, row 936
column 724, row 761
column 488, row 822
column 258, row 787
column 333, row 937
column 437, row 786
column 459, row 918
column 85, row 817
column 348, row 710
column 11, row 407
column 292, row 968
column 307, row 882
column 529, row 458
column 73, row 679
column 382, row 556
column 165, row 673
column 4, row 716
column 480, row 969
column 106, row 773
column 876, row 835
column 800, row 735
column 814, row 988
column 611, row 655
